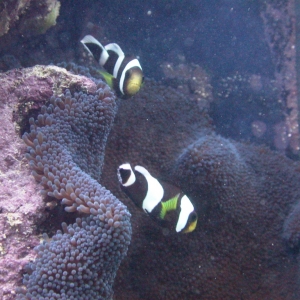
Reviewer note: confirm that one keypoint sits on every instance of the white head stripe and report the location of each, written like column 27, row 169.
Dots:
column 103, row 58
column 131, row 178
column 186, row 207
column 131, row 64
column 155, row 191
column 91, row 39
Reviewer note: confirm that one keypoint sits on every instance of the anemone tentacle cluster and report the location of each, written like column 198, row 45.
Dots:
column 246, row 198
column 246, row 244
column 66, row 152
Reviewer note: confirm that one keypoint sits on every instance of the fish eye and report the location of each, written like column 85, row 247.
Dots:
column 193, row 217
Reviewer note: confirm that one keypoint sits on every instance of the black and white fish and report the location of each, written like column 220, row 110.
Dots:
column 160, row 200
column 124, row 73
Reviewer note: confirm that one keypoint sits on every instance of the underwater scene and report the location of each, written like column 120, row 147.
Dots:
column 149, row 150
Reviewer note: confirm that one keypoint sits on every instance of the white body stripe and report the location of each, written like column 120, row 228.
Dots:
column 155, row 191
column 186, row 207
column 131, row 179
column 118, row 65
column 103, row 58
column 91, row 39
column 116, row 48
column 131, row 64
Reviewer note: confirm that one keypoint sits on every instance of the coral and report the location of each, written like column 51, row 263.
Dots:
column 246, row 244
column 40, row 17
column 160, row 114
column 90, row 72
column 80, row 263
column 66, row 151
column 21, row 205
column 280, row 32
column 243, row 195
column 72, row 131
column 22, row 208
column 10, row 14
column 28, row 17
column 291, row 229
column 34, row 86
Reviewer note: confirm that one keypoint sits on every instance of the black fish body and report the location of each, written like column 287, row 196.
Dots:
column 124, row 72
column 162, row 201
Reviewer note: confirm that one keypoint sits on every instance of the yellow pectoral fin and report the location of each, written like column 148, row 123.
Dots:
column 108, row 78
column 168, row 205
column 191, row 227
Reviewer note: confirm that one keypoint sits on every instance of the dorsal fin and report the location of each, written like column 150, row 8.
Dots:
column 115, row 48
column 96, row 49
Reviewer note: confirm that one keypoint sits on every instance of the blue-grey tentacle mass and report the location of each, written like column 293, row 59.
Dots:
column 66, row 151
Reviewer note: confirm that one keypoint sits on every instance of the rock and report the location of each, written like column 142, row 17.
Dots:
column 22, row 209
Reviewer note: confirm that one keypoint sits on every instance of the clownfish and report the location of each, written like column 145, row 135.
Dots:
column 161, row 200
column 124, row 73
